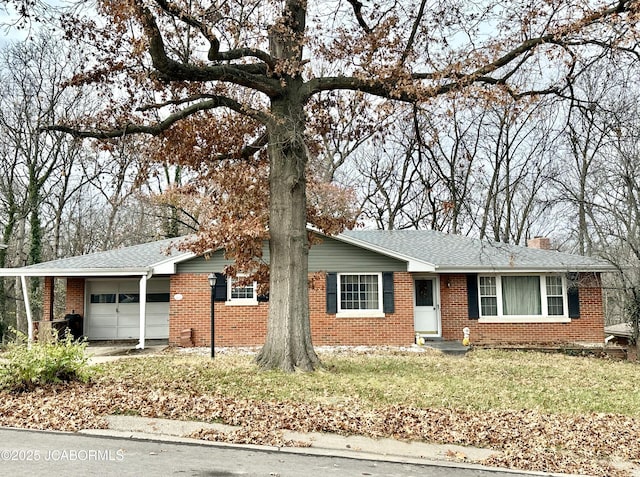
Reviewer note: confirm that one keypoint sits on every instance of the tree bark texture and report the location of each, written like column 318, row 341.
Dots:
column 288, row 343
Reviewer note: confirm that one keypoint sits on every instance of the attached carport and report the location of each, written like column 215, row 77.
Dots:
column 140, row 275
column 117, row 289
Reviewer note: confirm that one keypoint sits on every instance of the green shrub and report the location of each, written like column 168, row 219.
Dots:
column 26, row 367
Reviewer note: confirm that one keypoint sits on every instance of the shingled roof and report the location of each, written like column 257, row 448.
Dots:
column 135, row 260
column 457, row 253
column 423, row 250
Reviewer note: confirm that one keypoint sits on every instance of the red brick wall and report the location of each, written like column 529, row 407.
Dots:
column 246, row 325
column 393, row 329
column 47, row 298
column 454, row 311
column 234, row 325
column 75, row 296
column 589, row 328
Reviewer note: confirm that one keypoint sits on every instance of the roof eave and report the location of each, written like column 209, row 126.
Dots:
column 74, row 272
column 485, row 269
column 168, row 267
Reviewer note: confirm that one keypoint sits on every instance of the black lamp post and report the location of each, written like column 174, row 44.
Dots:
column 212, row 284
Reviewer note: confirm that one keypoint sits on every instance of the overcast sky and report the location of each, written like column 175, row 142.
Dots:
column 8, row 32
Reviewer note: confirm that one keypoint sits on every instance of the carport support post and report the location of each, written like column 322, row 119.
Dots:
column 27, row 308
column 143, row 310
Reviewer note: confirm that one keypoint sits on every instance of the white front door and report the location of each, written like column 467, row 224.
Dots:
column 426, row 319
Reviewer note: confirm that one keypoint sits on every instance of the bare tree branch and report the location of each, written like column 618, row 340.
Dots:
column 252, row 75
column 214, row 53
column 408, row 47
column 357, row 9
column 480, row 75
column 157, row 128
column 221, row 100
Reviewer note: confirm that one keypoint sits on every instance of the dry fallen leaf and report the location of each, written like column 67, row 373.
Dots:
column 455, row 455
column 527, row 439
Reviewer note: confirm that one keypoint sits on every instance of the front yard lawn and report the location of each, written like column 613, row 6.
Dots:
column 546, row 412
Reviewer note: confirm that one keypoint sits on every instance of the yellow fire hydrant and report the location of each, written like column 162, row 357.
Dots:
column 465, row 340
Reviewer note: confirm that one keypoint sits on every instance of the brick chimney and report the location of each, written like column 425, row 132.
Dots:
column 542, row 243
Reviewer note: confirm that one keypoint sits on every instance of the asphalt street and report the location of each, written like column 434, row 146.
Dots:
column 29, row 453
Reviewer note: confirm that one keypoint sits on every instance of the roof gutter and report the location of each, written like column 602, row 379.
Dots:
column 78, row 272
column 598, row 269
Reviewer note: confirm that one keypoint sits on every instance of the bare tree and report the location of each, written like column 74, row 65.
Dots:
column 588, row 141
column 614, row 199
column 36, row 160
column 451, row 141
column 516, row 148
column 397, row 191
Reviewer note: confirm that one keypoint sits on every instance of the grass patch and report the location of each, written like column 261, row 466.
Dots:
column 482, row 380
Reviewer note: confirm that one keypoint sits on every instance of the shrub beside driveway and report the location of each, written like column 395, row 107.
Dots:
column 544, row 412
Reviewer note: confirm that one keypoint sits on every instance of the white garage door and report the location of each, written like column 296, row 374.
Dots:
column 113, row 309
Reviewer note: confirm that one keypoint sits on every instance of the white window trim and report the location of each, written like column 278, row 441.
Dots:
column 241, row 301
column 525, row 319
column 377, row 313
column 542, row 318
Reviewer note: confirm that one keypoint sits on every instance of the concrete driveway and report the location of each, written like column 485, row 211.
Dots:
column 102, row 352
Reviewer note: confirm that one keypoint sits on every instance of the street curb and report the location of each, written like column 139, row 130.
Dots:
column 312, row 451
column 328, row 445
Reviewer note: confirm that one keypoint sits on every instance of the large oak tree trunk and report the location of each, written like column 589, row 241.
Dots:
column 288, row 343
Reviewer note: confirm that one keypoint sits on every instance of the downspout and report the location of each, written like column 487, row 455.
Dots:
column 143, row 310
column 27, row 308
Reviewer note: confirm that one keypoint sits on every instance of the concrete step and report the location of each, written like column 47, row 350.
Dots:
column 447, row 347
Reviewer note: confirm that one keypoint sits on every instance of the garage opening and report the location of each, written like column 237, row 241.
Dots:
column 113, row 309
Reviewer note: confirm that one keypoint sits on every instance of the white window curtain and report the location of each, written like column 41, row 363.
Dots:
column 521, row 295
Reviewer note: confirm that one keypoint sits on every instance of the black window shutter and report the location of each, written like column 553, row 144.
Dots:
column 332, row 293
column 388, row 305
column 472, row 296
column 573, row 300
column 220, row 290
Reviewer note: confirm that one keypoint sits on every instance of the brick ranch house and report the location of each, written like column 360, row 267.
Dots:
column 368, row 287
